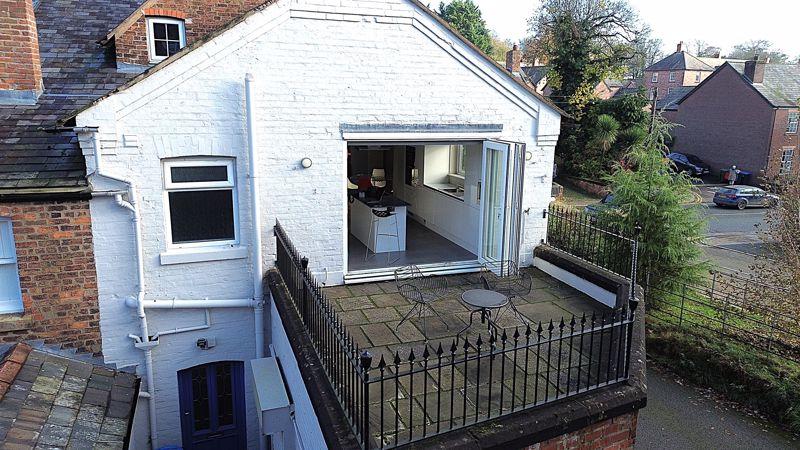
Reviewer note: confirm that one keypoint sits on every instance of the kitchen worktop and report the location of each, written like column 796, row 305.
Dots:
column 382, row 203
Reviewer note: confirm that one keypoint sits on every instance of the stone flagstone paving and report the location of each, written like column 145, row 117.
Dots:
column 439, row 400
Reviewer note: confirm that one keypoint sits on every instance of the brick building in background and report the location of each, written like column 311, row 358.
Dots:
column 48, row 285
column 744, row 114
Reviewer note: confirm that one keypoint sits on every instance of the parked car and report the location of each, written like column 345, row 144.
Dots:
column 744, row 196
column 690, row 164
column 604, row 205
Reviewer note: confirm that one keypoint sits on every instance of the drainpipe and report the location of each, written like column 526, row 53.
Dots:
column 255, row 208
column 142, row 342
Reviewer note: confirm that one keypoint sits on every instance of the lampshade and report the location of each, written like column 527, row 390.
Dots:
column 378, row 174
column 350, row 185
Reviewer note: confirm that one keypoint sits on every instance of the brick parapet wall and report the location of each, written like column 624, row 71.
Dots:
column 20, row 66
column 201, row 17
column 617, row 433
column 57, row 275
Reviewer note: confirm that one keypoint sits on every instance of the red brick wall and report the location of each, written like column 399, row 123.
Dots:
column 780, row 140
column 201, row 18
column 618, row 433
column 57, row 275
column 725, row 122
column 682, row 78
column 20, row 67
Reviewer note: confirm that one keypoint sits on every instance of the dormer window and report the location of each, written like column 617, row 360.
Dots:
column 165, row 37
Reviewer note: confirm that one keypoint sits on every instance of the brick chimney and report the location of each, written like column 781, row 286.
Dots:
column 21, row 74
column 680, row 47
column 754, row 69
column 514, row 60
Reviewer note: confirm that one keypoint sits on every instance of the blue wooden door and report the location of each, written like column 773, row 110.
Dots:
column 212, row 406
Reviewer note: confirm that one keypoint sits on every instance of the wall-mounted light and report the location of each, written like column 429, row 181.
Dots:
column 306, row 163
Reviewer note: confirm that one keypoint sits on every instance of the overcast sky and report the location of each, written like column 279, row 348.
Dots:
column 723, row 24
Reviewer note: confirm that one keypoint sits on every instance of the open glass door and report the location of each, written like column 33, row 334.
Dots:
column 494, row 186
column 501, row 200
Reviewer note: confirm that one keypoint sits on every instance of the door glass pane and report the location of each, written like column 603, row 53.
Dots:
column 494, row 203
column 200, row 408
column 224, row 395
column 198, row 216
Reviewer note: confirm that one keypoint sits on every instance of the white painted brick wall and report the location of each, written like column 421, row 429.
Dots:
column 353, row 62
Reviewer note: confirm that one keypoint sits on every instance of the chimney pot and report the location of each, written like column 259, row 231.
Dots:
column 514, row 60
column 680, row 47
column 19, row 48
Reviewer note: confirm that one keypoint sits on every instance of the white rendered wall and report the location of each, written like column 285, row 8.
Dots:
column 318, row 64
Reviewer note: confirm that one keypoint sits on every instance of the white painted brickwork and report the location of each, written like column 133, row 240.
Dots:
column 318, row 64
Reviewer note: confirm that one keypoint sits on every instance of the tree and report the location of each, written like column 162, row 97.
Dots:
column 758, row 48
column 499, row 48
column 608, row 129
column 584, row 41
column 646, row 51
column 781, row 266
column 650, row 195
column 466, row 17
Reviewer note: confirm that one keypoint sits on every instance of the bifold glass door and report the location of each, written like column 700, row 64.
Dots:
column 501, row 193
column 493, row 200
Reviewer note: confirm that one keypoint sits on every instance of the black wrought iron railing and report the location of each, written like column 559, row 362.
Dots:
column 729, row 306
column 592, row 239
column 409, row 396
column 340, row 356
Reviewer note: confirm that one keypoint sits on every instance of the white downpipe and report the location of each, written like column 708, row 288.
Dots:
column 144, row 341
column 255, row 208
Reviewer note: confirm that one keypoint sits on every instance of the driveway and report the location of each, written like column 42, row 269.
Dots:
column 679, row 416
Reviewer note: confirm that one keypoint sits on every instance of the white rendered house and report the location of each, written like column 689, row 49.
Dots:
column 321, row 93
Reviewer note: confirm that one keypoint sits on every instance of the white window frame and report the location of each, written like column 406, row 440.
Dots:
column 8, row 261
column 151, row 42
column 791, row 125
column 672, row 76
column 459, row 151
column 654, row 78
column 787, row 161
column 230, row 184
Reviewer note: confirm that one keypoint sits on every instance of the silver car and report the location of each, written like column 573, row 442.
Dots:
column 743, row 197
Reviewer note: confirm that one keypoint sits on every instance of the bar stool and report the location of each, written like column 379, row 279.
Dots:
column 377, row 215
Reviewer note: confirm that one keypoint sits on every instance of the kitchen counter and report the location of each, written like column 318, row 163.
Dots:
column 386, row 201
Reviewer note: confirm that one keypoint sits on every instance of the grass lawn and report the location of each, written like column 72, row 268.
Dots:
column 577, row 198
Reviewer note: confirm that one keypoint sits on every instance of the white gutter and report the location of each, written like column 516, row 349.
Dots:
column 144, row 342
column 255, row 209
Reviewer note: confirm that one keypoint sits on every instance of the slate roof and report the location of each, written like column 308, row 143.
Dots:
column 781, row 86
column 75, row 70
column 51, row 401
column 681, row 61
column 536, row 73
column 670, row 102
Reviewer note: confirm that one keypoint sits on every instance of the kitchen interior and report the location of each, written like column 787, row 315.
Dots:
column 413, row 203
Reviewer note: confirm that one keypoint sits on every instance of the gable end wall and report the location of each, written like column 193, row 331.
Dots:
column 725, row 122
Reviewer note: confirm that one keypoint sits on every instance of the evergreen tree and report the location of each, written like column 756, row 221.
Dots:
column 466, row 17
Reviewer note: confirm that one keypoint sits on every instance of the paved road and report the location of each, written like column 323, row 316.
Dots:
column 681, row 417
column 733, row 239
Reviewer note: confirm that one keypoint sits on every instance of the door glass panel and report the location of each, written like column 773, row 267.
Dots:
column 494, row 191
column 200, row 408
column 224, row 395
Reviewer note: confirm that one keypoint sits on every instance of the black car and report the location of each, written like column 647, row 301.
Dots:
column 690, row 164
